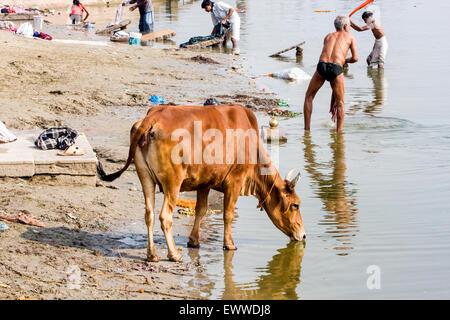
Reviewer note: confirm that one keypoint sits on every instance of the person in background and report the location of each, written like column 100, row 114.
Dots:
column 76, row 13
column 146, row 20
column 222, row 12
column 378, row 54
column 330, row 68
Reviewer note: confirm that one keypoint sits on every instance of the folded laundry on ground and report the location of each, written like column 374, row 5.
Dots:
column 5, row 134
column 56, row 138
column 219, row 34
column 17, row 9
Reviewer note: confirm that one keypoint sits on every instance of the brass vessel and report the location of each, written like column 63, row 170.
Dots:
column 273, row 122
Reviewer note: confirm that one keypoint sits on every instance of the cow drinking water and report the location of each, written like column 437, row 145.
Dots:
column 186, row 148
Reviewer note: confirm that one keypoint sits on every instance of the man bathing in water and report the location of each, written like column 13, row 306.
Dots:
column 378, row 54
column 330, row 68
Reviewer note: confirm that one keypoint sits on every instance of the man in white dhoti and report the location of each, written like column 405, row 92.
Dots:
column 378, row 54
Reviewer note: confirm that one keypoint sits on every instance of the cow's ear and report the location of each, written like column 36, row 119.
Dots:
column 288, row 185
column 292, row 182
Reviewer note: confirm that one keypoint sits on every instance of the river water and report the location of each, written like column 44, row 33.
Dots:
column 374, row 199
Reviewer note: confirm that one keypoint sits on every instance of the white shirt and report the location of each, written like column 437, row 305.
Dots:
column 220, row 11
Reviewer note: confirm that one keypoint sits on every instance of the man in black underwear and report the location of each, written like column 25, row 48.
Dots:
column 330, row 68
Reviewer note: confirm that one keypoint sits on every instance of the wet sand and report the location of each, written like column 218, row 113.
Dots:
column 96, row 232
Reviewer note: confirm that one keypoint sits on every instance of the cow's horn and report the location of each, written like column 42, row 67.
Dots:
column 294, row 181
column 288, row 176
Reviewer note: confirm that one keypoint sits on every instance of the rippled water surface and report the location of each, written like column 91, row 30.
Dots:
column 376, row 195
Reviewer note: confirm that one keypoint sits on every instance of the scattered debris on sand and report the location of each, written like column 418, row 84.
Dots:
column 249, row 100
column 202, row 59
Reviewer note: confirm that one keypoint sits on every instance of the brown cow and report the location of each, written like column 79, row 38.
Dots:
column 231, row 167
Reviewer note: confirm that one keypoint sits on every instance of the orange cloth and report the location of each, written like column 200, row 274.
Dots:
column 361, row 6
column 186, row 203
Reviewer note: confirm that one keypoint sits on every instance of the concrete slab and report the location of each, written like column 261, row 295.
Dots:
column 22, row 158
column 16, row 159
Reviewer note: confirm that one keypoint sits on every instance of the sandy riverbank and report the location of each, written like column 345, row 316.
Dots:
column 99, row 230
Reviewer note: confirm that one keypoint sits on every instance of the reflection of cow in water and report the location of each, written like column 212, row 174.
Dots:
column 279, row 282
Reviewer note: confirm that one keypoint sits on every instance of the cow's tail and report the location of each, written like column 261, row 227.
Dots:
column 109, row 177
column 135, row 136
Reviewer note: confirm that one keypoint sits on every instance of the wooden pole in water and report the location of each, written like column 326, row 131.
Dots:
column 290, row 48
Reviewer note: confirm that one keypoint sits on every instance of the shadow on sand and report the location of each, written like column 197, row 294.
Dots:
column 107, row 244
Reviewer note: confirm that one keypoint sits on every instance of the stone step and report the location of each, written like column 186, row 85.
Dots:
column 22, row 158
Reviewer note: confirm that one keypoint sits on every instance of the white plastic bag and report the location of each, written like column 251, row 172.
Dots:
column 292, row 74
column 26, row 30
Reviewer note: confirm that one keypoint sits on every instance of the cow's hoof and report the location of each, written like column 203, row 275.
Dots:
column 152, row 258
column 175, row 257
column 232, row 247
column 193, row 245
